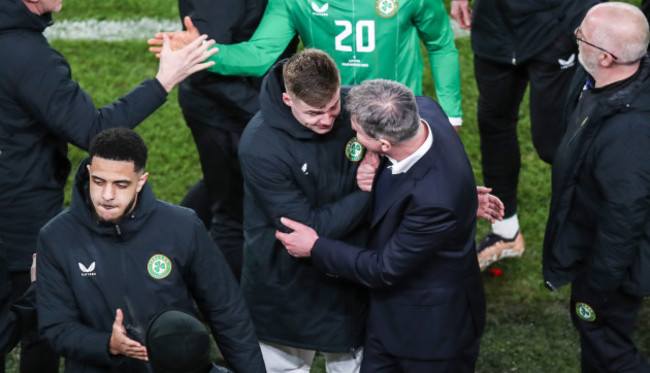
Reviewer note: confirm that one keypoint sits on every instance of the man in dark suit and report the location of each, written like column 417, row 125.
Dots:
column 427, row 309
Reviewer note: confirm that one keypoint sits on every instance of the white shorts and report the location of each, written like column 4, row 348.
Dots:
column 285, row 359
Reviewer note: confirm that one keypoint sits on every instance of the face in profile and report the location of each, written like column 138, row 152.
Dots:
column 371, row 144
column 114, row 187
column 320, row 120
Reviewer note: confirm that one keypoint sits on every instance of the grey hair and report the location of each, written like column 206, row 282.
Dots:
column 384, row 109
column 626, row 33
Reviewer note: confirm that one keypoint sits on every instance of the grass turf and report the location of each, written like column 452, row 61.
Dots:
column 528, row 328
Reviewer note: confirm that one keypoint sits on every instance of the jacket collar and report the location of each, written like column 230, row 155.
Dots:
column 409, row 181
column 624, row 93
column 14, row 15
column 82, row 209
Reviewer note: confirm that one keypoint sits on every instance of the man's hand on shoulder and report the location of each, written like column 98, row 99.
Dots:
column 299, row 242
column 121, row 344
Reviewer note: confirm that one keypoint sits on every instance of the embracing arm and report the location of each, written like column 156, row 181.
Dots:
column 422, row 232
column 276, row 192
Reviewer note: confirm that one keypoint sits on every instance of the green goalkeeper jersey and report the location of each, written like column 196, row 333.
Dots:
column 366, row 38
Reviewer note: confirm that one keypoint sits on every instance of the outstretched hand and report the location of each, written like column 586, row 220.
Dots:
column 462, row 13
column 175, row 66
column 299, row 242
column 489, row 207
column 178, row 40
column 121, row 344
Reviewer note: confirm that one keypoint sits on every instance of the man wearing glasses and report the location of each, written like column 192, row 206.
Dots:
column 598, row 231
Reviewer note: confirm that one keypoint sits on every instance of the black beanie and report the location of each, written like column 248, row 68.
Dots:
column 177, row 342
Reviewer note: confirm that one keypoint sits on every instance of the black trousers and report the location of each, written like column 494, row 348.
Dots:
column 36, row 355
column 501, row 90
column 377, row 360
column 224, row 188
column 605, row 322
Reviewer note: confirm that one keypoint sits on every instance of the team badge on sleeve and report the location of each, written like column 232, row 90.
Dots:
column 159, row 266
column 585, row 312
column 354, row 150
column 386, row 8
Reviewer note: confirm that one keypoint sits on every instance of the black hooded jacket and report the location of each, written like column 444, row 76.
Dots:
column 513, row 31
column 599, row 220
column 41, row 110
column 160, row 257
column 291, row 171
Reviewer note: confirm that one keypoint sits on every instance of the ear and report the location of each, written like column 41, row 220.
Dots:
column 385, row 145
column 141, row 180
column 286, row 99
column 605, row 59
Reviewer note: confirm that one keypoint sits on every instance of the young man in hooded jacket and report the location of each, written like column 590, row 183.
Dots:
column 117, row 257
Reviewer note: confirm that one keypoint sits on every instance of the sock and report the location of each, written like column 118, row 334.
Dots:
column 506, row 228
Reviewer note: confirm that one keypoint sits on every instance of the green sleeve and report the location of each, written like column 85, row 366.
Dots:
column 255, row 57
column 435, row 32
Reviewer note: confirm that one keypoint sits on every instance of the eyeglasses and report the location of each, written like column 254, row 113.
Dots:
column 580, row 37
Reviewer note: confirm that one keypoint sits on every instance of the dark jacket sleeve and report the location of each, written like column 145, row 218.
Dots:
column 59, row 320
column 47, row 91
column 270, row 181
column 622, row 173
column 220, row 300
column 423, row 231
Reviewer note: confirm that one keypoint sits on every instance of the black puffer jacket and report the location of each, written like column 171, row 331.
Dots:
column 512, row 31
column 291, row 171
column 41, row 110
column 599, row 221
column 86, row 271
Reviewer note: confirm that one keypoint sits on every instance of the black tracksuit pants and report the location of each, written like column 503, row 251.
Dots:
column 224, row 185
column 501, row 90
column 605, row 322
